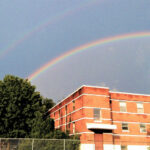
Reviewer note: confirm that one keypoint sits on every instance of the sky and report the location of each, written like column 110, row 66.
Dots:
column 34, row 32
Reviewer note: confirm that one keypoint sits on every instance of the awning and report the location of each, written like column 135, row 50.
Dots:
column 101, row 126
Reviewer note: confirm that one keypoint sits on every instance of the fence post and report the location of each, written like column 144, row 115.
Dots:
column 32, row 144
column 64, row 145
column 0, row 144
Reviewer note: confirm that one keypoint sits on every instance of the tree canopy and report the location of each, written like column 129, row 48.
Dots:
column 24, row 114
column 20, row 107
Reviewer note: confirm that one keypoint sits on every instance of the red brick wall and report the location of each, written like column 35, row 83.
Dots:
column 87, row 98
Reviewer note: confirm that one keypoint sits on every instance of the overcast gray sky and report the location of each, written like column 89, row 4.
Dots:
column 33, row 32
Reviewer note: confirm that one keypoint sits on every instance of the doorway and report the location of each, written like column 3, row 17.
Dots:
column 98, row 139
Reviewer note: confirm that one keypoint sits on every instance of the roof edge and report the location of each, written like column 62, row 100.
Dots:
column 76, row 91
column 129, row 93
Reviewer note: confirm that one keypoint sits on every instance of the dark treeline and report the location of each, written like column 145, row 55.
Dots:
column 23, row 111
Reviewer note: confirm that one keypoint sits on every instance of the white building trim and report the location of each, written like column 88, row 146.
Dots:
column 81, row 94
column 101, row 126
column 130, row 122
column 87, row 147
column 130, row 113
column 82, row 133
column 129, row 147
column 130, row 93
column 84, row 118
column 76, row 99
column 121, row 100
column 131, row 135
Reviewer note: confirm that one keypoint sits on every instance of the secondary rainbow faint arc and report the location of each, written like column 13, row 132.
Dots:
column 85, row 47
column 36, row 29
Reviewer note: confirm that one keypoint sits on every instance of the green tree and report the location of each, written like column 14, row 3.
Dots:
column 47, row 104
column 43, row 125
column 24, row 114
column 20, row 105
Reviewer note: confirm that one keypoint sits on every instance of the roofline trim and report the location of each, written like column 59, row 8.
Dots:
column 76, row 91
column 129, row 93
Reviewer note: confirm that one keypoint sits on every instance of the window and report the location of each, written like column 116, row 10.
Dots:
column 73, row 105
column 59, row 113
column 97, row 114
column 69, row 120
column 66, row 109
column 124, row 126
column 142, row 128
column 59, row 118
column 73, row 127
column 140, row 108
column 123, row 107
column 66, row 117
column 123, row 147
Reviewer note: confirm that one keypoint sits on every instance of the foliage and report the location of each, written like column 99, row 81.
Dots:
column 43, row 125
column 47, row 104
column 42, row 128
column 20, row 107
column 24, row 114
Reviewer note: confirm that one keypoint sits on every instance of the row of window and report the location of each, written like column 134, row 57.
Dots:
column 66, row 120
column 126, row 128
column 66, row 109
column 97, row 117
column 123, row 107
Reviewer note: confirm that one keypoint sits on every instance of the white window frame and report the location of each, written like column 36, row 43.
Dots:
column 141, row 128
column 125, row 130
column 97, row 117
column 123, row 106
column 140, row 107
column 73, row 128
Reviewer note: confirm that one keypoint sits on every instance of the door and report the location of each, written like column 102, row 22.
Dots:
column 98, row 139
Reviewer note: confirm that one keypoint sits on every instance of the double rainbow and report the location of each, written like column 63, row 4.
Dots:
column 55, row 19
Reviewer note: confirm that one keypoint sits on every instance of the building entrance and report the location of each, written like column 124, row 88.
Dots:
column 98, row 139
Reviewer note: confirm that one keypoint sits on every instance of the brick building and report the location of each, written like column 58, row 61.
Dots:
column 105, row 120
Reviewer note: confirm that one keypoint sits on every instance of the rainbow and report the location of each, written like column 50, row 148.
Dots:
column 54, row 19
column 85, row 47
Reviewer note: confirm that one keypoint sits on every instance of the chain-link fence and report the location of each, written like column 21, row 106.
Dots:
column 39, row 144
column 70, row 144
